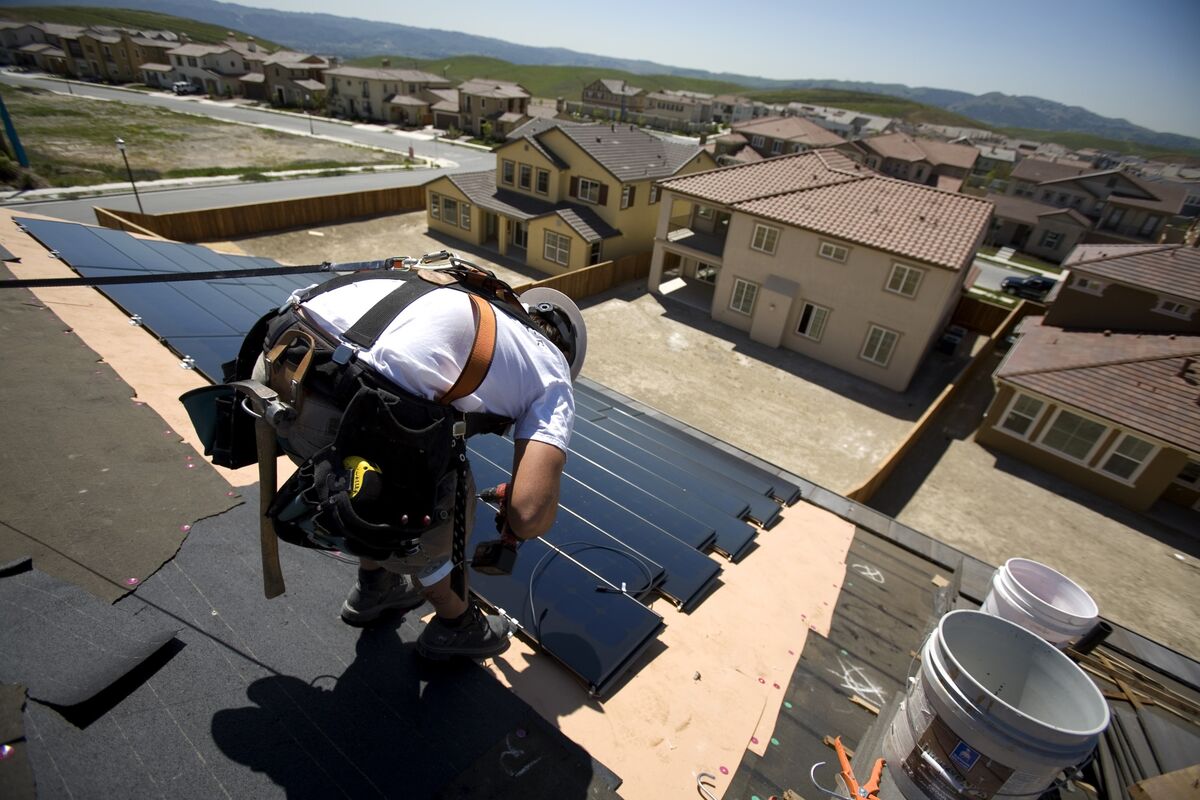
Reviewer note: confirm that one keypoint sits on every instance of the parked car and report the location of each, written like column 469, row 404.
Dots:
column 185, row 87
column 1031, row 287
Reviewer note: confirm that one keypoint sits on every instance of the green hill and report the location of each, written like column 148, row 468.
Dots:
column 125, row 18
column 879, row 104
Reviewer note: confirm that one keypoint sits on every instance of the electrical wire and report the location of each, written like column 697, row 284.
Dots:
column 560, row 550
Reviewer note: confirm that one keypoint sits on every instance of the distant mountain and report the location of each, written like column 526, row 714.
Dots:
column 355, row 38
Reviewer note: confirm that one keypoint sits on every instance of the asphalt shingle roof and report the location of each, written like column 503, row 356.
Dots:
column 1134, row 380
column 903, row 147
column 480, row 187
column 1171, row 269
column 628, row 152
column 826, row 192
column 487, row 88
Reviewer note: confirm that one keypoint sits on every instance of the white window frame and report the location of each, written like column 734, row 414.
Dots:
column 508, row 172
column 1049, row 426
column 537, row 181
column 1182, row 310
column 777, row 147
column 1051, row 239
column 704, row 212
column 435, row 205
column 1012, row 409
column 653, row 193
column 1112, row 451
column 1195, row 484
column 589, row 191
column 707, row 269
column 525, row 177
column 769, row 234
column 626, row 189
column 744, row 287
column 834, row 252
column 1088, row 285
column 757, row 141
column 904, row 271
column 452, row 217
column 867, row 343
column 553, row 249
column 464, row 216
column 818, row 312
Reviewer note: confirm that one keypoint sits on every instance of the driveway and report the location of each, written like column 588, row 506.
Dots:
column 1143, row 574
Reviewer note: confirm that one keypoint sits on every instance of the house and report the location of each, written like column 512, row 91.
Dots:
column 107, row 56
column 845, row 123
column 917, row 159
column 615, row 99
column 730, row 108
column 818, row 254
column 1040, row 230
column 994, row 159
column 16, row 35
column 216, row 68
column 152, row 57
column 774, row 136
column 503, row 104
column 293, row 79
column 47, row 58
column 678, row 110
column 564, row 196
column 399, row 96
column 1115, row 412
column 1119, row 206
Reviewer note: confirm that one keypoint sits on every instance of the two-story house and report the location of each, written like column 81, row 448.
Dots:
column 730, row 108
column 678, row 110
column 845, row 123
column 772, row 136
column 294, row 79
column 400, row 96
column 917, row 159
column 152, row 58
column 1104, row 390
column 820, row 255
column 614, row 98
column 563, row 196
column 503, row 104
column 215, row 68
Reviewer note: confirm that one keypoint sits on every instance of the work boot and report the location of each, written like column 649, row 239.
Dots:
column 479, row 635
column 377, row 591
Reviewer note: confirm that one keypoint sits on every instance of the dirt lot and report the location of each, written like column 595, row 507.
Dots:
column 70, row 141
column 1142, row 573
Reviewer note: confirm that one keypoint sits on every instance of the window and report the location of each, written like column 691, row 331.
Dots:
column 1089, row 285
column 879, row 345
column 412, row 88
column 704, row 212
column 812, row 321
column 653, row 194
column 757, row 141
column 557, row 248
column 543, row 182
column 1072, row 435
column 465, row 216
column 742, row 299
column 707, row 273
column 904, row 280
column 1173, row 309
column 628, row 193
column 1128, row 457
column 449, row 210
column 594, row 253
column 776, row 147
column 1149, row 225
column 191, row 61
column 1114, row 217
column 1021, row 415
column 589, row 191
column 1189, row 475
column 525, row 176
column 1051, row 240
column 435, row 205
column 507, row 170
column 834, row 252
column 765, row 239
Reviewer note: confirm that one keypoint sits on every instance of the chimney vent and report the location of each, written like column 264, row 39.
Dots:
column 385, row 62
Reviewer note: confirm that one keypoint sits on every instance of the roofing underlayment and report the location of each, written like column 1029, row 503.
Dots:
column 762, row 638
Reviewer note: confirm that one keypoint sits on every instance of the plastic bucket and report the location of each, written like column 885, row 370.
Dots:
column 994, row 711
column 1041, row 600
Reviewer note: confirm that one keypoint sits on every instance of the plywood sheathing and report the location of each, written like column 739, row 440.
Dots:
column 665, row 725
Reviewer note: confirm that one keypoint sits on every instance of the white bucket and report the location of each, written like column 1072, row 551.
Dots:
column 994, row 711
column 1041, row 600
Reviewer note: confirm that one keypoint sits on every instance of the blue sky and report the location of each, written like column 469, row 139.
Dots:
column 1137, row 59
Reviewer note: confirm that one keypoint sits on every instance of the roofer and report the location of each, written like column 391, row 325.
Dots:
column 372, row 365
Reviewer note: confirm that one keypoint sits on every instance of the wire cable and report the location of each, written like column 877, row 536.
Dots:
column 560, row 550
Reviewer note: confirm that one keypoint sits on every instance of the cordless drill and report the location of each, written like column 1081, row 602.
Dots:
column 497, row 556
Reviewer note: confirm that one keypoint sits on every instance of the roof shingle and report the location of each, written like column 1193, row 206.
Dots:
column 480, row 187
column 1167, row 269
column 627, row 152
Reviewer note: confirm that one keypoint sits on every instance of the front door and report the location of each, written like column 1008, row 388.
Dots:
column 518, row 234
column 491, row 226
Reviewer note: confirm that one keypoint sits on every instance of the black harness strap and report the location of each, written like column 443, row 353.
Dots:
column 371, row 325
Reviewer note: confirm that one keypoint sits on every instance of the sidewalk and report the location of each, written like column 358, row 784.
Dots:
column 1004, row 262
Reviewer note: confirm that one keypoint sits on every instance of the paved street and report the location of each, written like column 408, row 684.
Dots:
column 991, row 274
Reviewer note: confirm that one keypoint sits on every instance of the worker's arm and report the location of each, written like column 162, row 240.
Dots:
column 533, row 496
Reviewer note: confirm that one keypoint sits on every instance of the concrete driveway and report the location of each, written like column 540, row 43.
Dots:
column 1143, row 573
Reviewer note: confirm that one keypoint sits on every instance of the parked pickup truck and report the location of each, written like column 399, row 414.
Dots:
column 185, row 87
column 1031, row 287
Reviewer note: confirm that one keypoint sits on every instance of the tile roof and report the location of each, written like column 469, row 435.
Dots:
column 200, row 50
column 536, row 125
column 504, row 90
column 1166, row 269
column 405, row 100
column 152, row 67
column 903, row 147
column 620, row 87
column 826, row 192
column 1134, row 380
column 147, row 42
column 1038, row 170
column 251, row 77
column 1091, row 252
column 627, row 152
column 480, row 187
column 1169, row 198
column 1022, row 209
column 388, row 74
column 791, row 129
column 41, row 48
column 311, row 85
column 55, row 29
column 511, row 116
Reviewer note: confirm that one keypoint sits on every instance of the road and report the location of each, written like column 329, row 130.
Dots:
column 991, row 274
column 462, row 159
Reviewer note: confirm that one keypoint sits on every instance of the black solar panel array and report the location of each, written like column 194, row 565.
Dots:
column 641, row 501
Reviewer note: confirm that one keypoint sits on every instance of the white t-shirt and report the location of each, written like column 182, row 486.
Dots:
column 426, row 347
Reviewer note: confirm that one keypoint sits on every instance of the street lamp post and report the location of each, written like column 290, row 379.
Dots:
column 125, row 158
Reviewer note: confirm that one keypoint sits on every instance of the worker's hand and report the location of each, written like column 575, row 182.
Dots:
column 499, row 495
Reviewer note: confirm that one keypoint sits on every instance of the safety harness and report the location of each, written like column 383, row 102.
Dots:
column 416, row 447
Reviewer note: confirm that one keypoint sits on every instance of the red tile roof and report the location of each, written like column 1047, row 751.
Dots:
column 903, row 147
column 826, row 192
column 1167, row 269
column 790, row 129
column 1142, row 382
column 1022, row 209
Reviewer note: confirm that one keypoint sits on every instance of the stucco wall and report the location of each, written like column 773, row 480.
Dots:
column 1119, row 308
column 535, row 255
column 444, row 187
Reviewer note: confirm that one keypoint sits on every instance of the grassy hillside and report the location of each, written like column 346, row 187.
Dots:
column 879, row 104
column 544, row 81
column 124, row 18
column 1083, row 140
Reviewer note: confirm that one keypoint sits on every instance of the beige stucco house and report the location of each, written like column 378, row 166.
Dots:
column 503, row 104
column 821, row 255
column 563, row 196
column 383, row 94
column 916, row 158
column 768, row 137
column 609, row 97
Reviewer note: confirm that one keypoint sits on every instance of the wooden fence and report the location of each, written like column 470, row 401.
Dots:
column 888, row 465
column 228, row 222
column 979, row 315
column 587, row 281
